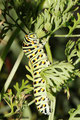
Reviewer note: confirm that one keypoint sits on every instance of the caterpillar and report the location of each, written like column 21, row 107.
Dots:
column 33, row 49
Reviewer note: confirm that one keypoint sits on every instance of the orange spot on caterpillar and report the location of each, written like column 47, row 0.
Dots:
column 25, row 51
column 43, row 81
column 29, row 50
column 38, row 50
column 36, row 82
column 32, row 62
column 32, row 35
column 42, row 90
column 37, row 72
column 26, row 35
column 43, row 62
column 35, row 59
column 32, row 42
column 35, row 46
column 36, row 65
column 40, row 55
column 38, row 108
column 36, row 91
column 36, row 100
column 43, row 98
column 33, row 55
column 44, row 105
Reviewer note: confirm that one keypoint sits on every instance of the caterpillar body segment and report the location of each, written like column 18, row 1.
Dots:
column 34, row 51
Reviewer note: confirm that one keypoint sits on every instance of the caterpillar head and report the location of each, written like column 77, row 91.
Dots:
column 31, row 37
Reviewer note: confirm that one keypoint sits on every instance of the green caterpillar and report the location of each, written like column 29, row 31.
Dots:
column 34, row 51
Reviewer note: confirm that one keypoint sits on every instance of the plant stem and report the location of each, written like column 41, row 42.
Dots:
column 53, row 102
column 31, row 102
column 53, row 105
column 17, row 25
column 78, row 35
column 14, row 69
column 9, row 43
column 73, row 115
column 48, row 52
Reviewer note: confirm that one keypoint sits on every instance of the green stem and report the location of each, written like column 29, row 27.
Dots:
column 49, row 34
column 70, row 6
column 7, row 102
column 53, row 104
column 17, row 25
column 9, row 43
column 31, row 102
column 72, row 117
column 48, row 52
column 12, row 73
column 78, row 35
column 10, row 114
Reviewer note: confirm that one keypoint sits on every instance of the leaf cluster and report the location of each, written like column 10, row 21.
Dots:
column 17, row 101
column 72, row 51
column 54, row 17
column 57, row 75
column 74, row 113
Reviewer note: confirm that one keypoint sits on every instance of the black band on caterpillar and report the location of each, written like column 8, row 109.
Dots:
column 34, row 51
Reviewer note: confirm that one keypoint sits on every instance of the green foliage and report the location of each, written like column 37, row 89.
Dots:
column 58, row 14
column 76, row 24
column 17, row 101
column 24, row 87
column 44, row 17
column 30, row 69
column 73, row 51
column 57, row 75
column 43, row 21
column 75, row 113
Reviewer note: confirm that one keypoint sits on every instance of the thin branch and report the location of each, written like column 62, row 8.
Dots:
column 31, row 102
column 14, row 69
column 77, row 35
column 7, row 47
column 53, row 105
column 16, row 23
column 48, row 52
